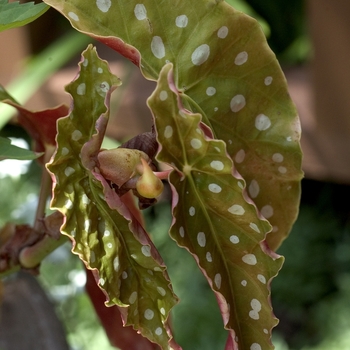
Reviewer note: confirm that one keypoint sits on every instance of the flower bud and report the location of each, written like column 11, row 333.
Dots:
column 120, row 164
column 149, row 185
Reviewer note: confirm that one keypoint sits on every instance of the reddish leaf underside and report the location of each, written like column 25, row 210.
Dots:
column 215, row 220
column 40, row 125
column 105, row 235
column 224, row 70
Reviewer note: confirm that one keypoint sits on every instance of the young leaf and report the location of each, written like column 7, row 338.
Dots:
column 14, row 14
column 105, row 234
column 8, row 151
column 215, row 220
column 224, row 70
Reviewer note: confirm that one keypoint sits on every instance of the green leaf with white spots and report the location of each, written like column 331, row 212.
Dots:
column 215, row 220
column 223, row 69
column 105, row 235
column 14, row 14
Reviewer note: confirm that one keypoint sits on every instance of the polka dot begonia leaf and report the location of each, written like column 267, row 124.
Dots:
column 215, row 219
column 105, row 235
column 224, row 70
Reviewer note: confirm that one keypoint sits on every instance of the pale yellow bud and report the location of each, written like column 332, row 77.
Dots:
column 149, row 185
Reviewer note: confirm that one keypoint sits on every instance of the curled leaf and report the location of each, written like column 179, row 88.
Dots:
column 105, row 234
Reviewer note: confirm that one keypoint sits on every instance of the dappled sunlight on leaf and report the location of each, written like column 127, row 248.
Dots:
column 105, row 234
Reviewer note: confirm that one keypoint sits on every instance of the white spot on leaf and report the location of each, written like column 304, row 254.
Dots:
column 103, row 88
column 181, row 21
column 268, row 81
column 161, row 291
column 240, row 155
column 103, row 5
column 133, row 297
column 237, row 103
column 214, row 188
column 69, row 171
column 64, row 151
column 146, row 250
column 182, row 232
column 262, row 122
column 217, row 164
column 254, row 189
column 267, row 211
column 236, row 209
column 244, row 283
column 241, row 58
column 200, row 54
column 73, row 16
column 282, row 169
column 234, row 239
column 210, row 91
column 149, row 314
column 140, row 12
column 101, row 281
column 157, row 47
column 196, row 143
column 209, row 257
column 217, row 280
column 262, row 279
column 277, row 157
column 192, row 211
column 168, row 131
column 256, row 308
column 163, row 95
column 158, row 331
column 81, row 89
column 76, row 135
column 249, row 259
column 222, row 32
column 254, row 227
column 201, row 239
column 255, row 346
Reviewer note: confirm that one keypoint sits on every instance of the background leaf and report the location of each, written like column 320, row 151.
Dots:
column 40, row 125
column 14, row 14
column 215, row 220
column 224, row 70
column 8, row 151
column 105, row 235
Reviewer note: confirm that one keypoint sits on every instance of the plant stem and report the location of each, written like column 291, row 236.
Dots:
column 45, row 190
column 32, row 256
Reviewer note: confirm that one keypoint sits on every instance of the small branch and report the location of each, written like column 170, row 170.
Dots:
column 25, row 247
column 45, row 190
column 31, row 257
